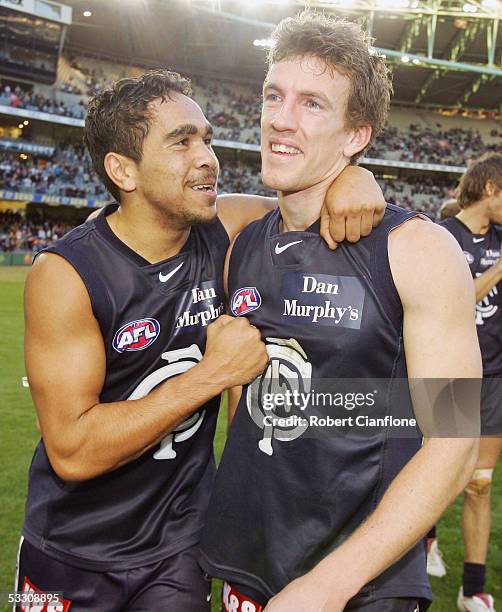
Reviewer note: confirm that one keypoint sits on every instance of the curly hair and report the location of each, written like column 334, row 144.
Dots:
column 343, row 46
column 118, row 117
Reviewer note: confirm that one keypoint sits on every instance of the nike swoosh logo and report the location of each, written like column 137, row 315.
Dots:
column 478, row 239
column 279, row 249
column 163, row 278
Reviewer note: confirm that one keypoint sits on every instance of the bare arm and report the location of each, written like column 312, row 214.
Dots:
column 436, row 291
column 485, row 283
column 236, row 210
column 354, row 205
column 65, row 360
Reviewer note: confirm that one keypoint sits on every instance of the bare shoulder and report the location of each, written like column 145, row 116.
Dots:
column 235, row 211
column 54, row 284
column 426, row 259
column 419, row 236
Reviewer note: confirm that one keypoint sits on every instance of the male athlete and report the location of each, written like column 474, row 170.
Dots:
column 125, row 370
column 310, row 519
column 477, row 229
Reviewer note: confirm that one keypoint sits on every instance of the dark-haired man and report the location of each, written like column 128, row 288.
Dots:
column 310, row 510
column 124, row 366
column 477, row 229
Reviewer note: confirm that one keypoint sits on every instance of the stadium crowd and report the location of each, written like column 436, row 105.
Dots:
column 21, row 233
column 17, row 97
column 67, row 174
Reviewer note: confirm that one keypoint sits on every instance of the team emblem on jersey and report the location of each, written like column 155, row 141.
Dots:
column 289, row 371
column 484, row 308
column 179, row 361
column 245, row 300
column 136, row 335
column 469, row 257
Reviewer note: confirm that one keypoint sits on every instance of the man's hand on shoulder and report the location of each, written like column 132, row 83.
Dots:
column 354, row 205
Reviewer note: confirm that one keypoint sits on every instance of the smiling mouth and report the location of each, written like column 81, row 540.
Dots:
column 206, row 187
column 284, row 149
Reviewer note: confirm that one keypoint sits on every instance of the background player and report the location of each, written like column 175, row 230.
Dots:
column 116, row 320
column 449, row 208
column 292, row 517
column 477, row 229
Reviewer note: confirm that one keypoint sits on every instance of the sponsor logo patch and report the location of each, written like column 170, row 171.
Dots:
column 323, row 299
column 245, row 300
column 163, row 278
column 136, row 335
column 200, row 306
column 284, row 247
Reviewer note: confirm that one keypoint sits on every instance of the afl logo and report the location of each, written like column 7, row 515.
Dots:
column 245, row 300
column 469, row 257
column 136, row 335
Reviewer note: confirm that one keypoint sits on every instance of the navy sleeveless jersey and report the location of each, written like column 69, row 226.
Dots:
column 280, row 503
column 482, row 251
column 153, row 318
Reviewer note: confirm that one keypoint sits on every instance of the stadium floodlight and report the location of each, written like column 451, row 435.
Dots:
column 20, row 126
column 469, row 8
column 26, row 122
column 264, row 43
column 87, row 13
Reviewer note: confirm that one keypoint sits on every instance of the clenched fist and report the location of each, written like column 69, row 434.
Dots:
column 235, row 353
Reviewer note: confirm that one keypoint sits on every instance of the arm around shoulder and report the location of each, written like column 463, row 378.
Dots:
column 236, row 210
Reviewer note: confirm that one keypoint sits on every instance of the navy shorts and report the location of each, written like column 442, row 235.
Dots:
column 491, row 405
column 176, row 584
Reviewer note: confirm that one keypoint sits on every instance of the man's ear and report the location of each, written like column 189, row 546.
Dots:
column 121, row 170
column 359, row 139
column 490, row 188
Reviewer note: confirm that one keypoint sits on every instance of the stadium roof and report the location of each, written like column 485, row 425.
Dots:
column 444, row 52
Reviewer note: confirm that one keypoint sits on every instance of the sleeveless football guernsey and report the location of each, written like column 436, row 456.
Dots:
column 482, row 251
column 153, row 318
column 285, row 496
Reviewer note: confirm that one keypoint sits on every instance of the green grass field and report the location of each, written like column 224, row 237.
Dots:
column 18, row 437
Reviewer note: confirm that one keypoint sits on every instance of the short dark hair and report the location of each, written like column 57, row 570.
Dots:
column 472, row 184
column 118, row 117
column 346, row 48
